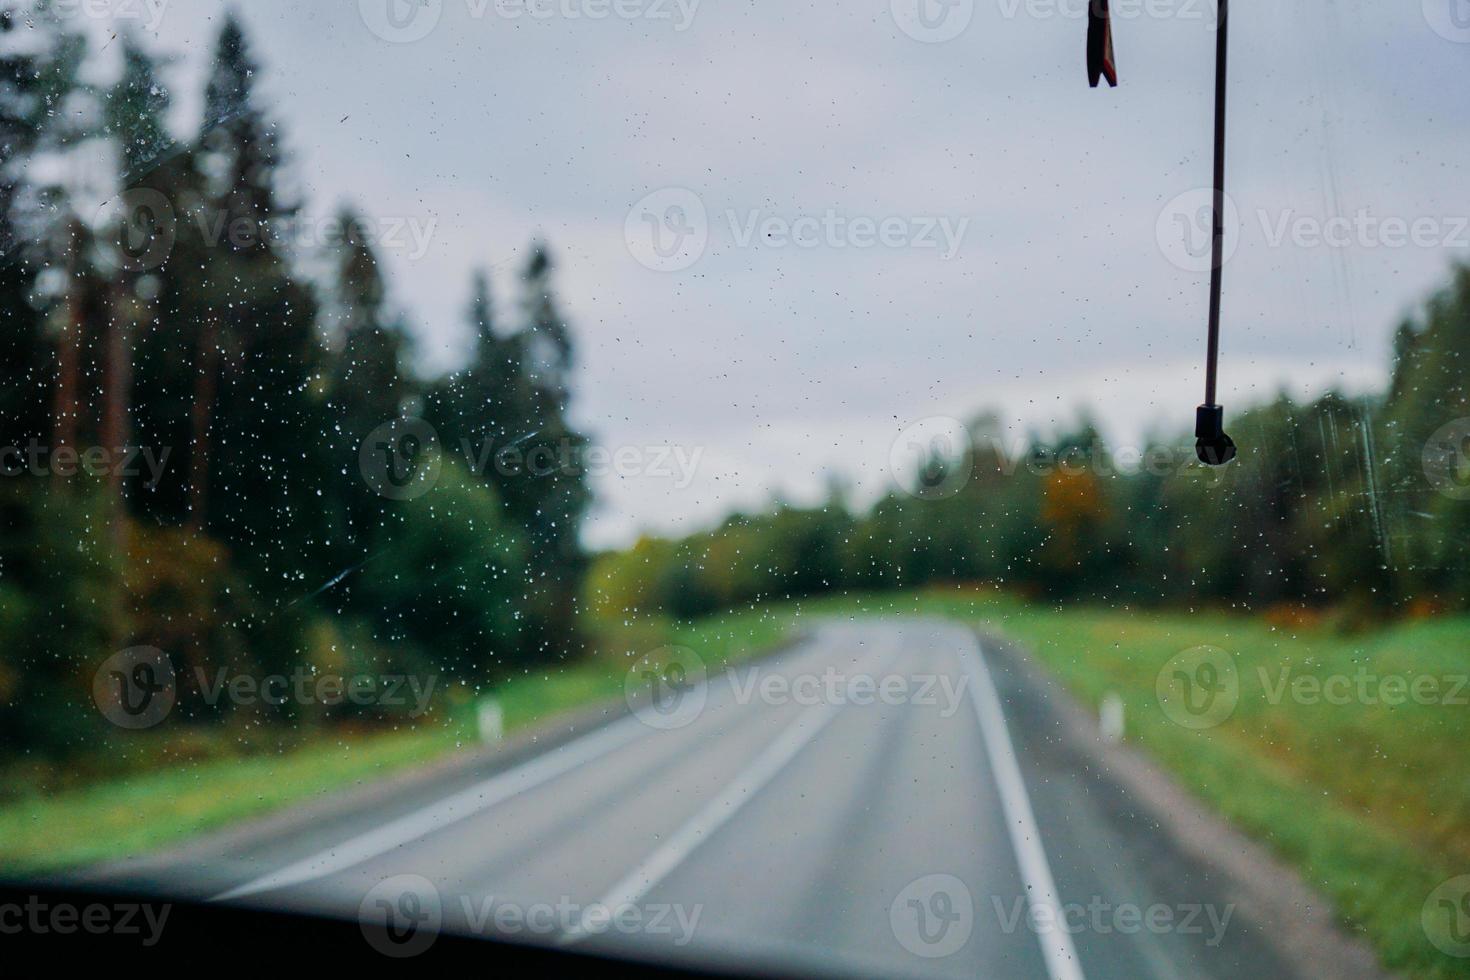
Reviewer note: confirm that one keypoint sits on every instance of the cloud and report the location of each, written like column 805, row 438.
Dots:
column 787, row 363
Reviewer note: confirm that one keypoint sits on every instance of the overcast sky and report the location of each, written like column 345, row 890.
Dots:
column 907, row 211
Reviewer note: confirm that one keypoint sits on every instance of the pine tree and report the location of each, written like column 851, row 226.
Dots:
column 266, row 457
column 39, row 64
column 550, row 502
column 368, row 377
column 508, row 408
column 549, row 341
column 488, row 405
column 56, row 577
column 136, row 112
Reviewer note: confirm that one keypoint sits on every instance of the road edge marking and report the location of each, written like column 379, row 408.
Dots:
column 1041, row 888
column 466, row 803
column 447, row 811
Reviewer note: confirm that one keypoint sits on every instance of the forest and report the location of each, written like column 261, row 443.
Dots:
column 1348, row 506
column 206, row 417
column 190, row 396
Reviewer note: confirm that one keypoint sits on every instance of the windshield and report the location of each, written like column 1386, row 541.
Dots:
column 717, row 483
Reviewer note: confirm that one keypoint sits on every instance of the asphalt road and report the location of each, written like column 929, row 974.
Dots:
column 884, row 798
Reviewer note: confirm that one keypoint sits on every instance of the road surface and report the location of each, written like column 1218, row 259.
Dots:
column 886, row 797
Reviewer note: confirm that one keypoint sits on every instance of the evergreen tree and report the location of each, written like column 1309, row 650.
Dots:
column 1423, row 489
column 487, row 405
column 549, row 341
column 57, row 576
column 369, row 382
column 265, row 453
column 550, row 498
column 508, row 407
column 136, row 112
column 39, row 63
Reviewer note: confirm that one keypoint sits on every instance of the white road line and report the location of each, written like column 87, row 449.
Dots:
column 1041, row 888
column 714, row 814
column 450, row 810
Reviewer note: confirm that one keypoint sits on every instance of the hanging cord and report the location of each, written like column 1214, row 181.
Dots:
column 1212, row 445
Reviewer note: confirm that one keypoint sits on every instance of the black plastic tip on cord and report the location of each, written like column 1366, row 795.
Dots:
column 1211, row 444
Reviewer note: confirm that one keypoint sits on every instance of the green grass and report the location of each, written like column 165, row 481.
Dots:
column 210, row 779
column 137, row 814
column 1371, row 803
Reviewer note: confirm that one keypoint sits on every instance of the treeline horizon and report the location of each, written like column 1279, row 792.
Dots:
column 251, row 538
column 1353, row 501
column 250, row 535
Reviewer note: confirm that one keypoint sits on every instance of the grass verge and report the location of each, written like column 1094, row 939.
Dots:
column 1369, row 800
column 219, row 782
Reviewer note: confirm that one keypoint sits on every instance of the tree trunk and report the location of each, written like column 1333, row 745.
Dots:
column 116, row 431
column 65, row 408
column 205, row 385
